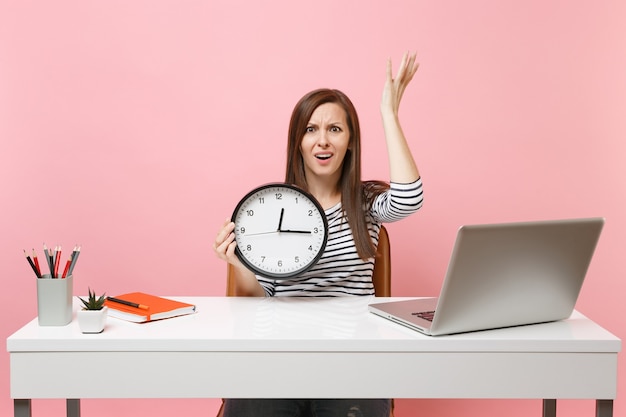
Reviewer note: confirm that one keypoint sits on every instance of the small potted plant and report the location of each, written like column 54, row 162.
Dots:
column 92, row 317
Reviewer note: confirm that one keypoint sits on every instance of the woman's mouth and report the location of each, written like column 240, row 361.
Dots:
column 323, row 156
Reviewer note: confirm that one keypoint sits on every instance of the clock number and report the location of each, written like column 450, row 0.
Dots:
column 280, row 264
column 242, row 230
column 279, row 196
column 310, row 213
column 250, row 213
column 297, row 259
column 249, row 248
column 315, row 230
column 262, row 259
column 261, row 200
column 310, row 247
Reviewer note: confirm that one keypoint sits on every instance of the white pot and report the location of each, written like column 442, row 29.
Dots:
column 92, row 321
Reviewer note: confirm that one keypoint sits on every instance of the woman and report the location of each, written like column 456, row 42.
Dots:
column 324, row 158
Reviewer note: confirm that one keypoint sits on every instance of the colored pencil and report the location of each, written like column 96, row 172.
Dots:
column 67, row 268
column 75, row 254
column 48, row 259
column 32, row 264
column 36, row 261
column 128, row 303
column 57, row 261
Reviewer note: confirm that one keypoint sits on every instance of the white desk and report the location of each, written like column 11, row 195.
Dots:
column 254, row 347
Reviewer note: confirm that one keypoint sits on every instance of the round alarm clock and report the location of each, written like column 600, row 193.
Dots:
column 281, row 230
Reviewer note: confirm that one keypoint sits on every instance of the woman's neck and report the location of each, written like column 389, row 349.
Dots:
column 328, row 195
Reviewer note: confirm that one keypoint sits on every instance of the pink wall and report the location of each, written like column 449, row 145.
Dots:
column 133, row 127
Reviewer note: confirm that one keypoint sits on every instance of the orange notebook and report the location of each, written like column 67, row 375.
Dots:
column 151, row 308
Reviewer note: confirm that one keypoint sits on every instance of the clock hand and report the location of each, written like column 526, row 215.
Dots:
column 261, row 233
column 295, row 231
column 280, row 222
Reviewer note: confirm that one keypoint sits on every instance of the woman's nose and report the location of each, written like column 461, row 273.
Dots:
column 322, row 140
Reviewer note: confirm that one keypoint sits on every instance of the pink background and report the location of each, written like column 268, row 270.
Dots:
column 132, row 128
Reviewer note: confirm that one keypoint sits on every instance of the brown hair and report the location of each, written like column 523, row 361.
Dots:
column 354, row 193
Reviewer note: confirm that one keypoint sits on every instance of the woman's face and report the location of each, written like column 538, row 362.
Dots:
column 325, row 142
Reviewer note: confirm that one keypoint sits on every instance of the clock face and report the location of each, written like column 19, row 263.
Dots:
column 280, row 230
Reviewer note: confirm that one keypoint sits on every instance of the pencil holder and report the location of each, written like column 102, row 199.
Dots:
column 54, row 301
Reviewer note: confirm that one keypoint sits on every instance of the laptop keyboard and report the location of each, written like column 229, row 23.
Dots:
column 426, row 315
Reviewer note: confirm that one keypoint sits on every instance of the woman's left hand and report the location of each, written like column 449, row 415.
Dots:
column 394, row 87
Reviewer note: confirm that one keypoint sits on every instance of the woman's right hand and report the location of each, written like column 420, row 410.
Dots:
column 224, row 245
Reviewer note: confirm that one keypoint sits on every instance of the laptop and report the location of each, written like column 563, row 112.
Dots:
column 503, row 275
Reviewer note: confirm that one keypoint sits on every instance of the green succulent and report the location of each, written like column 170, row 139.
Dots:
column 93, row 302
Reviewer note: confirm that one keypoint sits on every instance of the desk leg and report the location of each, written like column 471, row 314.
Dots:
column 72, row 407
column 21, row 408
column 549, row 408
column 604, row 408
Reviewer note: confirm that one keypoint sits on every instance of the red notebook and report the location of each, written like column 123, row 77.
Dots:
column 152, row 307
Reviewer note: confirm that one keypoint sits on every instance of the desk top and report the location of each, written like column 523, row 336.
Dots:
column 283, row 324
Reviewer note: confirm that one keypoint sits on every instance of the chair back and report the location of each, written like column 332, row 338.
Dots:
column 382, row 267
column 381, row 276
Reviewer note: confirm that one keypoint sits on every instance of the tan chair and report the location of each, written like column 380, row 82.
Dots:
column 382, row 267
column 381, row 279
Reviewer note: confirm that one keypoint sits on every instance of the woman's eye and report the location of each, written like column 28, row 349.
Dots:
column 309, row 129
column 335, row 129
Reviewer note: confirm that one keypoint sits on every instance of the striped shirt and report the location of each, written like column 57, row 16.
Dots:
column 340, row 271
